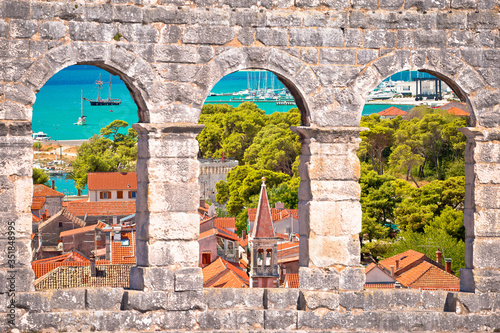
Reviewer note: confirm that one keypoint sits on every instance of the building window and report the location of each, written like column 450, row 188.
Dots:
column 119, row 194
column 125, row 242
column 105, row 195
column 60, row 224
column 260, row 257
column 268, row 257
column 206, row 258
column 132, row 194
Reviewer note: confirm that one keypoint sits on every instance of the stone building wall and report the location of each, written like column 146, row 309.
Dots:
column 212, row 172
column 330, row 54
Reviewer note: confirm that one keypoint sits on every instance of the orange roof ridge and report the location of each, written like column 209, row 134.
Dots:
column 263, row 227
column 40, row 190
column 112, row 181
column 64, row 213
column 392, row 111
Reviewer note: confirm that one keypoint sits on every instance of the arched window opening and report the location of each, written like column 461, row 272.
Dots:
column 85, row 154
column 413, row 182
column 251, row 181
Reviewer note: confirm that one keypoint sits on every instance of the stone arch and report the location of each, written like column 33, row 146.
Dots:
column 465, row 81
column 134, row 71
column 291, row 71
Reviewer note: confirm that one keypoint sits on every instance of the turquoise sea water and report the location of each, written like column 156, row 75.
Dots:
column 57, row 105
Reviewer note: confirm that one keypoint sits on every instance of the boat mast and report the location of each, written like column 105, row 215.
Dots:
column 99, row 84
column 109, row 92
column 81, row 102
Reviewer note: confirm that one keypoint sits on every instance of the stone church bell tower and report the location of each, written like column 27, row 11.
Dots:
column 264, row 271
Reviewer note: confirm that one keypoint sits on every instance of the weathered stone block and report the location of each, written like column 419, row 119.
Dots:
column 127, row 14
column 317, row 299
column 327, row 251
column 171, row 226
column 338, row 57
column 282, row 299
column 324, row 190
column 334, row 218
column 104, row 298
column 351, row 300
column 176, row 53
column 186, row 300
column 15, row 9
column 151, row 278
column 318, row 278
column 405, row 298
column 280, row 320
column 352, row 278
column 145, row 300
column 316, row 37
column 486, row 252
column 434, row 299
column 166, row 196
column 52, row 30
column 68, row 299
column 175, row 320
column 190, row 278
column 222, row 298
column 330, row 167
column 165, row 253
column 15, row 256
column 484, row 222
column 34, row 301
column 476, row 302
column 376, row 39
column 207, row 35
column 272, row 36
column 140, row 33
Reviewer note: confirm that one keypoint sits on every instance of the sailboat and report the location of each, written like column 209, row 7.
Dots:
column 82, row 120
column 99, row 100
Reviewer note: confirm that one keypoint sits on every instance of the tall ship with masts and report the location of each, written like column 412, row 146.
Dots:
column 99, row 100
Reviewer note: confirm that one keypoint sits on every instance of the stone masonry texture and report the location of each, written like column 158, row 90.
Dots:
column 330, row 55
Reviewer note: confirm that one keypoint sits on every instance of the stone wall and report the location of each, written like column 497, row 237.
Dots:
column 330, row 54
column 283, row 310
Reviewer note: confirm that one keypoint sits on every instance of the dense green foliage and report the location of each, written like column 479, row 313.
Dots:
column 40, row 176
column 426, row 150
column 111, row 150
column 263, row 144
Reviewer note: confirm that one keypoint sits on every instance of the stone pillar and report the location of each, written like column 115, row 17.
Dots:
column 16, row 191
column 482, row 211
column 329, row 209
column 167, row 208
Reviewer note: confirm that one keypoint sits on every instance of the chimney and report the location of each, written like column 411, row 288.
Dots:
column 397, row 264
column 448, row 265
column 439, row 257
column 202, row 203
column 93, row 272
column 53, row 184
column 392, row 270
column 243, row 234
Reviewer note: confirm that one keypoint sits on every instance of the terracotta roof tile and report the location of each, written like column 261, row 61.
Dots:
column 37, row 203
column 407, row 258
column 115, row 276
column 447, row 106
column 224, row 233
column 225, row 222
column 379, row 285
column 276, row 214
column 392, row 112
column 222, row 274
column 428, row 276
column 63, row 212
column 81, row 230
column 457, row 112
column 101, row 208
column 112, row 181
column 291, row 280
column 40, row 190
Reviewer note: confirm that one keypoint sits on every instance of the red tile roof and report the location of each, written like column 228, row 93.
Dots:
column 428, row 276
column 37, row 203
column 406, row 259
column 224, row 233
column 457, row 112
column 225, row 222
column 114, row 276
column 222, row 274
column 392, row 112
column 63, row 212
column 379, row 285
column 263, row 227
column 34, row 218
column 78, row 231
column 112, row 181
column 101, row 208
column 291, row 280
column 40, row 190
column 447, row 106
column 43, row 266
column 276, row 214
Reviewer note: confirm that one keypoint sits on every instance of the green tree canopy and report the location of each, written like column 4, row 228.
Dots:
column 40, row 176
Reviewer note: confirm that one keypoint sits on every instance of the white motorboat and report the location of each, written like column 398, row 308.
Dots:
column 82, row 120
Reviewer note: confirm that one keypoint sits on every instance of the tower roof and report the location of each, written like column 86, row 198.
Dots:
column 263, row 227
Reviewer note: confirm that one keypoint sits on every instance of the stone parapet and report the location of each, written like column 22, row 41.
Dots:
column 253, row 309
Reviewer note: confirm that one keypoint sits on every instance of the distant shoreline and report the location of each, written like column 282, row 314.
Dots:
column 69, row 143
